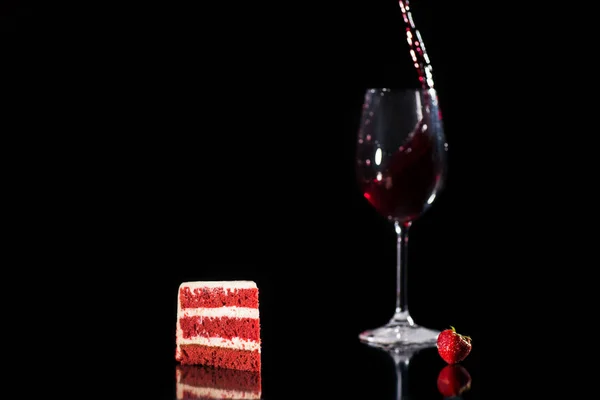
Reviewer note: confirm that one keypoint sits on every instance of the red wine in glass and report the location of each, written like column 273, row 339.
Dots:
column 405, row 185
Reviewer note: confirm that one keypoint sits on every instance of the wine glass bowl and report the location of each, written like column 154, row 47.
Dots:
column 401, row 152
column 401, row 167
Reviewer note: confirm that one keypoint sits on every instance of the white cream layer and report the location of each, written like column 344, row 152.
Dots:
column 234, row 343
column 215, row 284
column 218, row 312
column 202, row 392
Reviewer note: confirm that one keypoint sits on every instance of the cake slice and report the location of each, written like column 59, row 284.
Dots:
column 196, row 382
column 218, row 325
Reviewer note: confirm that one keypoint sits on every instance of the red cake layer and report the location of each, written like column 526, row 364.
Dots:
column 220, row 357
column 218, row 378
column 223, row 327
column 218, row 297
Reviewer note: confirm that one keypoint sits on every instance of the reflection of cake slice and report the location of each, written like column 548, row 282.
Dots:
column 195, row 382
column 218, row 324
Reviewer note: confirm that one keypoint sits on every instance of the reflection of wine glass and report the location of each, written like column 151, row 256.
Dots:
column 402, row 356
column 401, row 164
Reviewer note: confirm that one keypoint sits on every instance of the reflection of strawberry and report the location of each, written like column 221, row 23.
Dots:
column 453, row 380
column 452, row 346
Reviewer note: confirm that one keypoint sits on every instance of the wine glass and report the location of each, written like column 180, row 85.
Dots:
column 401, row 166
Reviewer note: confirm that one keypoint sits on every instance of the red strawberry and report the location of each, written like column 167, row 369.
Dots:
column 452, row 346
column 453, row 380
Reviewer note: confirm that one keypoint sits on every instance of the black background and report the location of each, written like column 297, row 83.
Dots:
column 216, row 142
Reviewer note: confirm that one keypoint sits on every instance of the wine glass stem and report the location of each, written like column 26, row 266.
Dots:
column 401, row 272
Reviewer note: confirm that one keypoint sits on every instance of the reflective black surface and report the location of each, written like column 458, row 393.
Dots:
column 361, row 371
column 310, row 321
column 298, row 363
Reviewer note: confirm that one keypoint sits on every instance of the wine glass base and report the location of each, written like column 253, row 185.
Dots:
column 400, row 334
